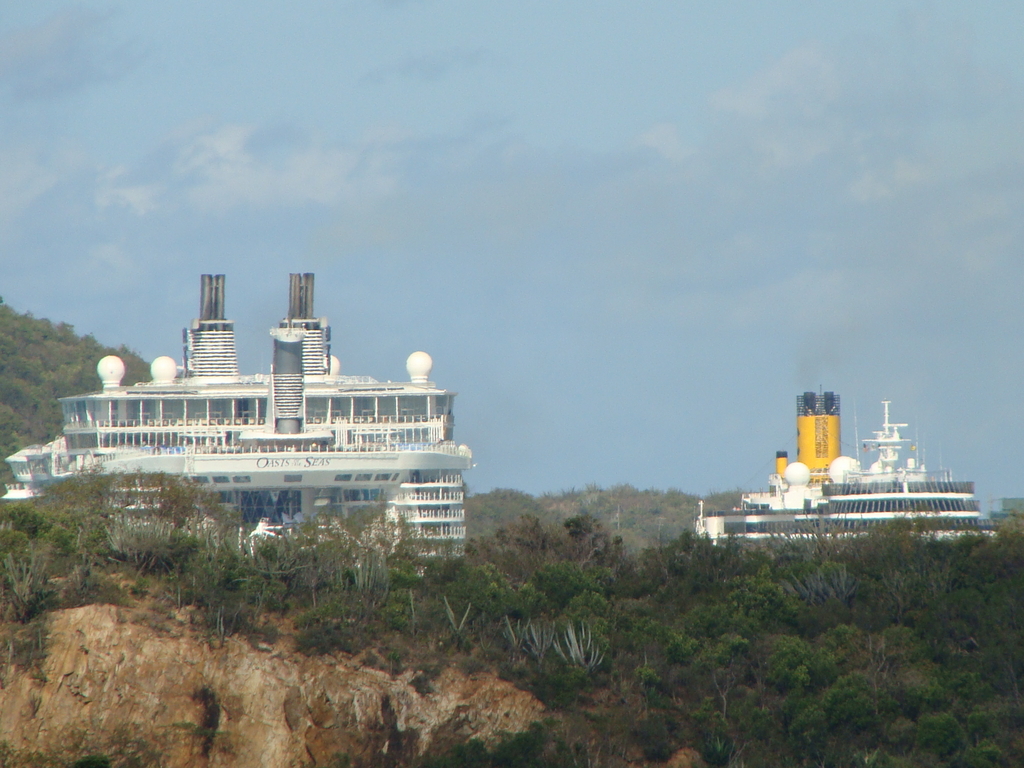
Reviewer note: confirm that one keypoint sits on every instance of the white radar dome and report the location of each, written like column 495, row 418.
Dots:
column 419, row 366
column 797, row 473
column 111, row 371
column 163, row 370
column 335, row 369
column 840, row 467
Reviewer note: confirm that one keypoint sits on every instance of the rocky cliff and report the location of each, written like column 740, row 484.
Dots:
column 114, row 679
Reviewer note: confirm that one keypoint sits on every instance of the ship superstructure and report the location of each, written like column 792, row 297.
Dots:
column 824, row 491
column 282, row 447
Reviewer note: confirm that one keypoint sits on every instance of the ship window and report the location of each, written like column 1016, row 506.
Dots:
column 361, row 494
column 150, row 410
column 174, row 409
column 342, row 478
column 385, row 476
column 242, row 479
column 201, row 479
column 341, row 408
column 132, row 409
column 442, row 405
column 261, row 409
column 195, row 409
column 363, row 478
column 293, row 478
column 316, row 409
column 81, row 413
column 106, row 410
column 412, row 405
column 245, row 409
column 221, row 479
column 83, row 440
column 221, row 409
column 364, row 406
column 387, row 406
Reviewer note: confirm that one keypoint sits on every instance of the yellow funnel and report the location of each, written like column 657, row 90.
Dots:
column 817, row 431
column 781, row 462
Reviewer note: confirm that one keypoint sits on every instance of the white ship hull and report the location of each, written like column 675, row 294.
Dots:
column 301, row 441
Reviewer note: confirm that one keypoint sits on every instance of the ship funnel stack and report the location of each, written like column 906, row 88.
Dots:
column 781, row 462
column 316, row 348
column 817, row 432
column 210, row 341
column 301, row 349
column 287, row 380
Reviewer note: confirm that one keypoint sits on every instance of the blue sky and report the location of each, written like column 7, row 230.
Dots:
column 628, row 233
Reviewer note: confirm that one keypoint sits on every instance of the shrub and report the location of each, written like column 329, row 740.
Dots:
column 652, row 735
column 848, row 703
column 717, row 750
column 561, row 582
column 533, row 748
column 939, row 734
column 796, row 665
column 558, row 685
column 984, row 755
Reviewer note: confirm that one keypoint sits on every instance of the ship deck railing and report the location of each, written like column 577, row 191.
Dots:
column 449, row 448
column 429, row 496
column 430, row 485
column 455, row 532
column 252, row 421
column 432, row 515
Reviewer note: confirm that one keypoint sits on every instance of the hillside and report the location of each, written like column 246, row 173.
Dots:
column 39, row 362
column 895, row 649
column 641, row 518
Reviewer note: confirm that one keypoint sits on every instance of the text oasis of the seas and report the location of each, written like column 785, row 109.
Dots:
column 308, row 462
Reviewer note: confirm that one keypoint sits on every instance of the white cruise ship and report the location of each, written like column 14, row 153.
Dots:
column 825, row 492
column 282, row 447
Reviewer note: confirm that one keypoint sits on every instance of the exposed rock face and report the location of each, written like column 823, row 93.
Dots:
column 237, row 706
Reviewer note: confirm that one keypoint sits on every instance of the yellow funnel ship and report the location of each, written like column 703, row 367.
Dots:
column 825, row 492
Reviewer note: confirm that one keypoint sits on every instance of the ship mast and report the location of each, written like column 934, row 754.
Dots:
column 887, row 442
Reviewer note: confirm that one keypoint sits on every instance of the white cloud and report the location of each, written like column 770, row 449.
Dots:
column 109, row 258
column 62, row 54
column 220, row 170
column 663, row 138
column 885, row 182
column 24, row 177
column 804, row 80
column 111, row 191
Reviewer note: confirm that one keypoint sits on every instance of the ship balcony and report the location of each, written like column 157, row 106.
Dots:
column 439, row 420
column 446, row 532
column 19, row 492
column 445, row 481
column 421, row 515
column 133, row 423
column 429, row 497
